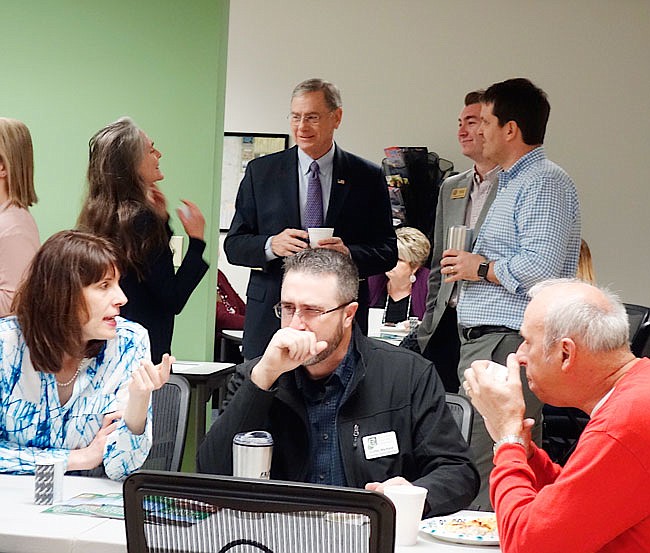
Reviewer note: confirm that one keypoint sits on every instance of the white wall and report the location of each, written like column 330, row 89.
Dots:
column 404, row 66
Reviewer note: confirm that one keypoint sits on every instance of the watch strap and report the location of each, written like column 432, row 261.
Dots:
column 509, row 439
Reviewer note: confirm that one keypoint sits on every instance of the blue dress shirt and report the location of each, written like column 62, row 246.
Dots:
column 532, row 233
column 322, row 401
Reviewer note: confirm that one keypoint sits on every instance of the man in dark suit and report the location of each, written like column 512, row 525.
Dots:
column 463, row 200
column 270, row 220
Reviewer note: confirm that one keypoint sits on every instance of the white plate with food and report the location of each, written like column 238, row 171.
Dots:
column 474, row 529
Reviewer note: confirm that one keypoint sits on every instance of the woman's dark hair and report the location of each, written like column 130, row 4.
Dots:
column 117, row 195
column 49, row 303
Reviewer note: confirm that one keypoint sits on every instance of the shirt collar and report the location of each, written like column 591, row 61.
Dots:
column 325, row 162
column 537, row 154
column 601, row 402
column 491, row 177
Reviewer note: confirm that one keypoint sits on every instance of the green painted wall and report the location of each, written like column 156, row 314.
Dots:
column 71, row 66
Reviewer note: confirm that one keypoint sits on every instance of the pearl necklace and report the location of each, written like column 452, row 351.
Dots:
column 74, row 377
column 408, row 306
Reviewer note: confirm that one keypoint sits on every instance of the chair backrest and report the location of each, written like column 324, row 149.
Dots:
column 639, row 320
column 461, row 409
column 171, row 406
column 195, row 512
column 641, row 345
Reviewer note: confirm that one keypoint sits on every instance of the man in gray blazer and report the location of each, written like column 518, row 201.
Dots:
column 463, row 200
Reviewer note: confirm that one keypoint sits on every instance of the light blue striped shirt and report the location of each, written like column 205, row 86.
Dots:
column 532, row 233
column 33, row 423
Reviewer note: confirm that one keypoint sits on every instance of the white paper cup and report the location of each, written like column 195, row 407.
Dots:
column 375, row 317
column 409, row 503
column 319, row 233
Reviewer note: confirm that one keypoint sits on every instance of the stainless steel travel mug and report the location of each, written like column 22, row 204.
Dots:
column 457, row 237
column 251, row 454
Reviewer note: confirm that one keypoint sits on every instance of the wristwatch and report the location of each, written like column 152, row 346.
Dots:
column 483, row 269
column 509, row 439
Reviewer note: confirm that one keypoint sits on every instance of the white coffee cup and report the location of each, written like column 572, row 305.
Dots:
column 319, row 233
column 409, row 504
column 375, row 318
column 499, row 372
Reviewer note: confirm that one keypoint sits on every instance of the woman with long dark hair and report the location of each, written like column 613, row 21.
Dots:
column 125, row 205
column 75, row 378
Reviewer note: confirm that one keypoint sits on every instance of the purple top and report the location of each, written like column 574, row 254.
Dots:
column 377, row 285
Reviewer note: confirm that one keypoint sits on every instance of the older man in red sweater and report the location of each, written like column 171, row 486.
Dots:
column 576, row 354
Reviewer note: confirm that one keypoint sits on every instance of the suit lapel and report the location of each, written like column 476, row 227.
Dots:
column 287, row 182
column 340, row 187
column 456, row 206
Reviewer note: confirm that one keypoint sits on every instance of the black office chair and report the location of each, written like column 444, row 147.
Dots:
column 171, row 407
column 641, row 344
column 639, row 320
column 463, row 413
column 192, row 512
column 227, row 349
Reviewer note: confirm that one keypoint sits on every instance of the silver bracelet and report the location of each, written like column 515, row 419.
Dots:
column 509, row 439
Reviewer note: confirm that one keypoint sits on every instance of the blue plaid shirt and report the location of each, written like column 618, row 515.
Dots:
column 532, row 233
column 33, row 423
column 322, row 400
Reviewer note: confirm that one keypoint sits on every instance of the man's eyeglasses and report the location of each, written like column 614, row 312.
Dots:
column 286, row 311
column 310, row 118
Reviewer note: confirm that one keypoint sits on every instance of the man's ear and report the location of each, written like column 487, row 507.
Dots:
column 568, row 353
column 350, row 311
column 338, row 116
column 512, row 130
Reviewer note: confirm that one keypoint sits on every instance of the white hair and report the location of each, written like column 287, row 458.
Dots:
column 600, row 327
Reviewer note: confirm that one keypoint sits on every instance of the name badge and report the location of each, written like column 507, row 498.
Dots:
column 380, row 445
column 458, row 193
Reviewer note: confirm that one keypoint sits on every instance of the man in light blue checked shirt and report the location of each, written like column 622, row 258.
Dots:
column 530, row 234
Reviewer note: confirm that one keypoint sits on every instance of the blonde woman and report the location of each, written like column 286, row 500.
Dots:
column 19, row 239
column 585, row 265
column 402, row 291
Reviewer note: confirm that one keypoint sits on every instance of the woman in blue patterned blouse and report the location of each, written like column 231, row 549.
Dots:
column 75, row 378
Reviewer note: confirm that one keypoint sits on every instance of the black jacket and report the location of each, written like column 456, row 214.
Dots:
column 162, row 293
column 393, row 389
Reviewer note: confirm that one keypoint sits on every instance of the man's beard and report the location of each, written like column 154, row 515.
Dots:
column 332, row 344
